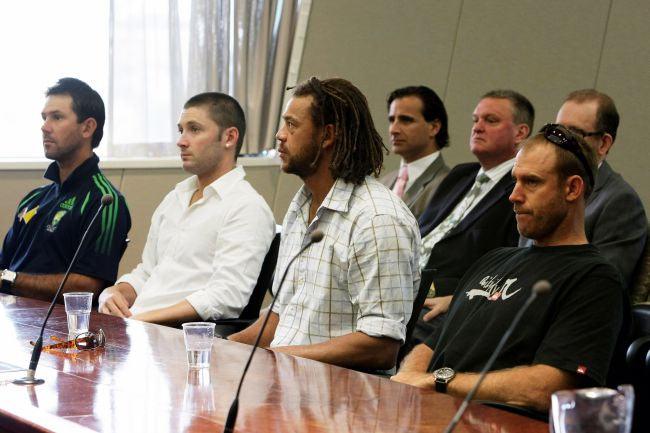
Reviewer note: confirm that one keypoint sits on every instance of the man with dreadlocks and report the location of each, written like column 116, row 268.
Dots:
column 347, row 299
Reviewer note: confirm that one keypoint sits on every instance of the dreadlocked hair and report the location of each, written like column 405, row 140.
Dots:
column 358, row 147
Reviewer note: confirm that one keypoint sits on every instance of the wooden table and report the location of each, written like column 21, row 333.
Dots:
column 140, row 383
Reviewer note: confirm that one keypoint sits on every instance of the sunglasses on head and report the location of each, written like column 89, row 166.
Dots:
column 566, row 139
column 84, row 341
column 584, row 134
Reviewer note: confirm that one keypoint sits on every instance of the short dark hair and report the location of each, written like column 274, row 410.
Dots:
column 224, row 110
column 432, row 108
column 86, row 103
column 358, row 147
column 607, row 118
column 522, row 109
column 567, row 163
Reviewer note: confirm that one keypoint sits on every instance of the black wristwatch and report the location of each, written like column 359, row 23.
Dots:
column 443, row 376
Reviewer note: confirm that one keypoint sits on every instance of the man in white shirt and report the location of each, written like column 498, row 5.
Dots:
column 418, row 130
column 470, row 214
column 208, row 237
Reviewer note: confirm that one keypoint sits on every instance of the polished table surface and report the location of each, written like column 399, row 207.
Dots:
column 140, row 383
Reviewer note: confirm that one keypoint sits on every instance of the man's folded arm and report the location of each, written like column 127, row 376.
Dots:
column 44, row 286
column 242, row 245
column 356, row 350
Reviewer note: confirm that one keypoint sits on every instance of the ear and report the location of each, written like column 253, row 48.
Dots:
column 328, row 136
column 230, row 137
column 574, row 188
column 606, row 143
column 88, row 127
column 434, row 128
column 523, row 131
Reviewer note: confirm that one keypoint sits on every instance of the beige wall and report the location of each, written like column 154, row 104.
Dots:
column 463, row 48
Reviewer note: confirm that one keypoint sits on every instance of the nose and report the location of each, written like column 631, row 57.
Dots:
column 393, row 128
column 45, row 127
column 516, row 196
column 182, row 141
column 478, row 125
column 281, row 135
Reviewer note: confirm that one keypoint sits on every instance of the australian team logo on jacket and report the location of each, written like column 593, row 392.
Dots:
column 494, row 288
column 65, row 207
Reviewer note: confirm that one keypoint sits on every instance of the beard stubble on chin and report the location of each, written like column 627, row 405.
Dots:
column 305, row 162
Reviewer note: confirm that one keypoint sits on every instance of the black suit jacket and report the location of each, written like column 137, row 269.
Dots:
column 489, row 225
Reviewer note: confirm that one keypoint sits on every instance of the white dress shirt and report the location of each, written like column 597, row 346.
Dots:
column 209, row 253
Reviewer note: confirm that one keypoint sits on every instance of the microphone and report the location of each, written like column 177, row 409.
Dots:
column 541, row 287
column 106, row 200
column 315, row 237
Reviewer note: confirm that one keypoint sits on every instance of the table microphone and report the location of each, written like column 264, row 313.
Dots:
column 315, row 237
column 107, row 200
column 541, row 287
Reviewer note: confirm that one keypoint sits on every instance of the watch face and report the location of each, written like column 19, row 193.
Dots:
column 444, row 373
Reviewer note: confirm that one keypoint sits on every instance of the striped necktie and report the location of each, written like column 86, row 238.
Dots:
column 452, row 220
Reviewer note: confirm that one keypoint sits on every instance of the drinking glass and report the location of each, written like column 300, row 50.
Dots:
column 592, row 410
column 77, row 308
column 198, row 343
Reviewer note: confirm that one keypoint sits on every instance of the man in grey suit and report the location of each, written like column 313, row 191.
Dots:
column 615, row 220
column 418, row 130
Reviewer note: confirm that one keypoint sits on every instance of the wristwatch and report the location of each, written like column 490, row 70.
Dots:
column 8, row 277
column 443, row 376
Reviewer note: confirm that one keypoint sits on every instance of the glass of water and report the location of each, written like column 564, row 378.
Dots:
column 198, row 343
column 77, row 308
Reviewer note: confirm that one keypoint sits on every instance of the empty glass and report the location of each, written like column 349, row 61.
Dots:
column 592, row 410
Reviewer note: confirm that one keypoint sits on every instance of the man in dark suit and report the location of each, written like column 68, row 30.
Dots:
column 418, row 130
column 615, row 220
column 470, row 214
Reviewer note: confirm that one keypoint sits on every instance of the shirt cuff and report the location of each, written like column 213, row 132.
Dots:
column 382, row 327
column 135, row 282
column 206, row 310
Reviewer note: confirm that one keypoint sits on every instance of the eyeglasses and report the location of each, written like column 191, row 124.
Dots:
column 84, row 341
column 564, row 138
column 584, row 134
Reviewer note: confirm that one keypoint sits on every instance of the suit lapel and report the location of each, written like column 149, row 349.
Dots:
column 455, row 195
column 501, row 188
column 429, row 174
column 602, row 176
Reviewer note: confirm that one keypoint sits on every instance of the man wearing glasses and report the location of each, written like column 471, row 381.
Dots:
column 615, row 220
column 567, row 337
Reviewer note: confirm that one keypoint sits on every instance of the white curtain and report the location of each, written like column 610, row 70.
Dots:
column 163, row 52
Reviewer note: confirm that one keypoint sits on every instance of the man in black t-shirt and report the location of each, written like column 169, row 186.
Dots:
column 567, row 337
column 50, row 221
